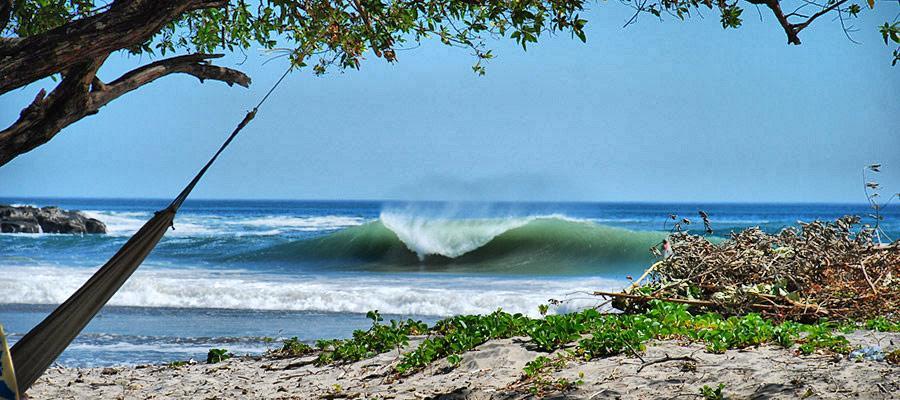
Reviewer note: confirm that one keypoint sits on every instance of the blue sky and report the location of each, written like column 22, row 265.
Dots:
column 658, row 111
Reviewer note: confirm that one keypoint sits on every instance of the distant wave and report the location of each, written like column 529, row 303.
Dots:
column 120, row 223
column 313, row 223
column 537, row 244
column 201, row 288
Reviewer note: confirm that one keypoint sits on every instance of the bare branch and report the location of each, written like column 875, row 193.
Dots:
column 775, row 6
column 824, row 11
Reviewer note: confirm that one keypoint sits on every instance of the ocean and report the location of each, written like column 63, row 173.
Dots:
column 232, row 273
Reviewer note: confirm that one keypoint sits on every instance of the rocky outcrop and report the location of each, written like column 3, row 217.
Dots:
column 26, row 219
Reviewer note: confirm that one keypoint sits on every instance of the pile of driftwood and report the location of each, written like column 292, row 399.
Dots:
column 828, row 270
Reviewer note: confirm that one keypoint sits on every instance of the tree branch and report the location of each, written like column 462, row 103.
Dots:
column 46, row 115
column 81, row 94
column 824, row 11
column 792, row 36
column 124, row 24
column 196, row 65
column 792, row 30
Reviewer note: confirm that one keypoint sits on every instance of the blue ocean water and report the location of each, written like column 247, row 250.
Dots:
column 233, row 272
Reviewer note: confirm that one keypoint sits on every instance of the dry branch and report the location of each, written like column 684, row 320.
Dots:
column 824, row 269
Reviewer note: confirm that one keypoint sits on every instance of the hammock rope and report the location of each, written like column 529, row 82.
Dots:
column 43, row 344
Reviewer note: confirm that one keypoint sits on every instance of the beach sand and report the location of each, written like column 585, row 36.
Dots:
column 494, row 371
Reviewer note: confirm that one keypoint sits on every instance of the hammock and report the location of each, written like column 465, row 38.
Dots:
column 34, row 353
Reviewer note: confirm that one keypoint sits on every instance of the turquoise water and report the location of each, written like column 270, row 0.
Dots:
column 235, row 271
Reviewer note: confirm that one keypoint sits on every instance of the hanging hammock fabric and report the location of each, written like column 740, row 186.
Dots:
column 34, row 353
column 42, row 345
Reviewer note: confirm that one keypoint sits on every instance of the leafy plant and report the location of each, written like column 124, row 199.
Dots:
column 597, row 335
column 543, row 308
column 538, row 375
column 710, row 393
column 460, row 334
column 607, row 343
column 177, row 364
column 554, row 331
column 534, row 367
column 366, row 344
column 217, row 355
column 454, row 359
column 882, row 324
column 293, row 347
column 820, row 337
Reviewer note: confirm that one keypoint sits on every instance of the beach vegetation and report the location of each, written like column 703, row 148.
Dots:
column 454, row 360
column 882, row 324
column 780, row 276
column 538, row 378
column 583, row 336
column 554, row 331
column 217, row 355
column 595, row 334
column 821, row 336
column 293, row 347
column 609, row 338
column 379, row 338
column 177, row 364
column 459, row 334
column 713, row 393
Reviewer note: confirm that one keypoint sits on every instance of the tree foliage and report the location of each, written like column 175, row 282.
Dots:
column 71, row 39
column 339, row 32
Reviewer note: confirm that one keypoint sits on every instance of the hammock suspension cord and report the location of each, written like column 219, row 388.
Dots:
column 42, row 345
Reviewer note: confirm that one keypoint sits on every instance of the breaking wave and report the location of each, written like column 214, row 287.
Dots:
column 536, row 244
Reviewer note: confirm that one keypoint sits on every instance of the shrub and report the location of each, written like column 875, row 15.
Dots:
column 217, row 355
column 293, row 347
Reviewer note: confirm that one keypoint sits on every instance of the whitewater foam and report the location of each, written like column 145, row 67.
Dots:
column 187, row 225
column 232, row 289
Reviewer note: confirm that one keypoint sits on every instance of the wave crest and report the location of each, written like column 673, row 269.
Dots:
column 447, row 237
column 537, row 244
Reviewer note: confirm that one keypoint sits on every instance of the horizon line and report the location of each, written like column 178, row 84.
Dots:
column 493, row 201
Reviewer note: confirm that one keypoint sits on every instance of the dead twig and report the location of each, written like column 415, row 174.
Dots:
column 667, row 358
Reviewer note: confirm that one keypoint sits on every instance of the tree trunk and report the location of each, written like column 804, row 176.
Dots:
column 126, row 24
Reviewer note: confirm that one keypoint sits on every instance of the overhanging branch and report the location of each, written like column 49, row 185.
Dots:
column 196, row 65
column 791, row 29
column 124, row 24
column 824, row 11
column 81, row 94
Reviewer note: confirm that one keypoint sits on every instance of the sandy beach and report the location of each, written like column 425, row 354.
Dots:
column 494, row 370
